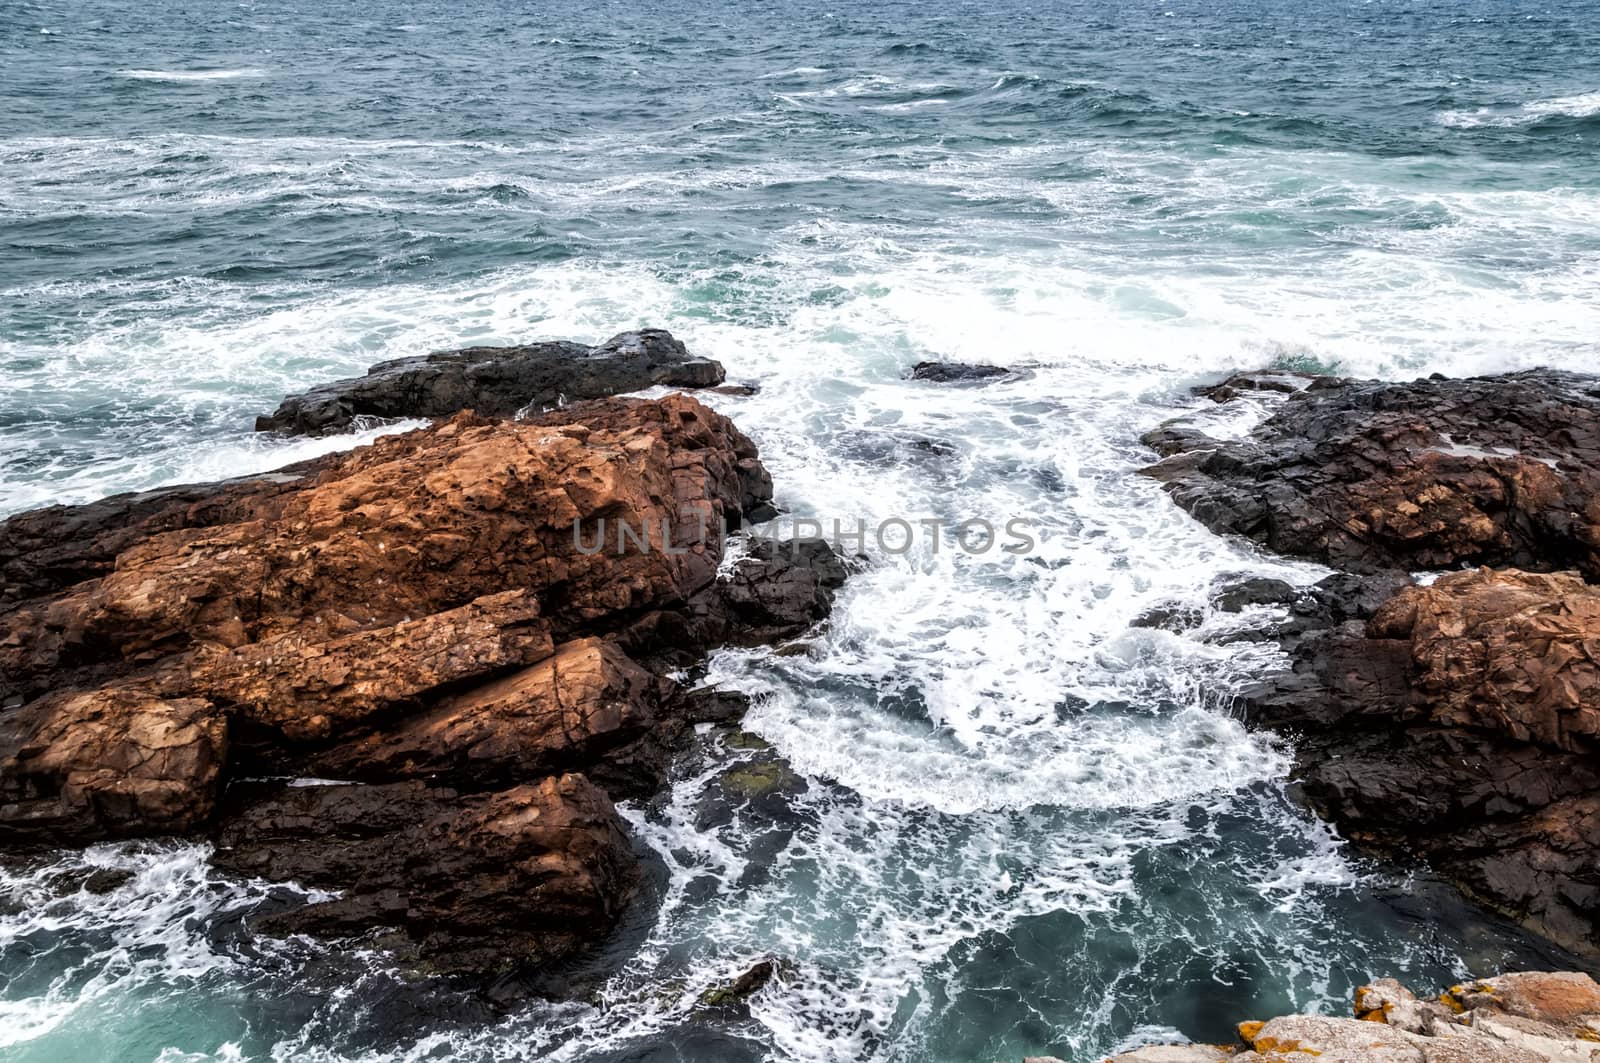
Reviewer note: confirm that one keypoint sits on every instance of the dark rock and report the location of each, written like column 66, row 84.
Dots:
column 1460, row 723
column 746, row 985
column 496, row 381
column 1174, row 618
column 778, row 589
column 1432, row 474
column 476, row 885
column 1238, row 596
column 957, row 372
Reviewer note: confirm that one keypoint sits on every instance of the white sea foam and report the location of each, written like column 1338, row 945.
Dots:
column 987, row 741
column 1582, row 105
column 194, row 75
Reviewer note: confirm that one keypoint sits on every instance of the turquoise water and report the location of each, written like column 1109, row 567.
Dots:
column 1028, row 826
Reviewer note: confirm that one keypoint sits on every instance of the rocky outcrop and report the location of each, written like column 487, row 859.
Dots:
column 1454, row 722
column 1433, row 474
column 470, row 624
column 1457, row 722
column 469, row 883
column 496, row 382
column 1513, row 1018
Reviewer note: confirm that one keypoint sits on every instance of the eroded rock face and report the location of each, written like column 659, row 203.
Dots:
column 1514, row 1018
column 1433, row 474
column 573, row 708
column 426, row 617
column 1458, row 723
column 496, row 381
column 85, row 765
column 411, row 526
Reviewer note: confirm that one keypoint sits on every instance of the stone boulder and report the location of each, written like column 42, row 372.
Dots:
column 1433, row 474
column 85, row 765
column 473, row 884
column 496, row 382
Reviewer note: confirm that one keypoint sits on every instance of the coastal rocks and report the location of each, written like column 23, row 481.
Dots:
column 476, row 884
column 413, row 525
column 1433, row 474
column 496, row 381
column 1514, row 1018
column 575, row 707
column 1458, row 724
column 449, row 621
column 81, row 766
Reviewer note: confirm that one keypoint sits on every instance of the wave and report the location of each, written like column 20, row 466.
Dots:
column 193, row 75
column 1583, row 105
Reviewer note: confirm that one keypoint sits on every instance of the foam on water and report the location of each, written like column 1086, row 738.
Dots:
column 1025, row 823
column 193, row 75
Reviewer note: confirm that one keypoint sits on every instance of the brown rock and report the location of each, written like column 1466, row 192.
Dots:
column 109, row 763
column 450, row 605
column 1478, row 1026
column 1509, row 652
column 1459, row 725
column 570, row 710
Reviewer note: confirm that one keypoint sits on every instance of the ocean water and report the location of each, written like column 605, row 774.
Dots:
column 1026, row 825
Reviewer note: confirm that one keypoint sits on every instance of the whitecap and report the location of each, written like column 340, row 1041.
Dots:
column 192, row 75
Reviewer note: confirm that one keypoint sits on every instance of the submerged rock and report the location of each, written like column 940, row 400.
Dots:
column 1436, row 473
column 496, row 381
column 957, row 372
column 1514, row 1018
column 427, row 616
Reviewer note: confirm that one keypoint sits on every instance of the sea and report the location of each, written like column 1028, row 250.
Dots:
column 1014, row 822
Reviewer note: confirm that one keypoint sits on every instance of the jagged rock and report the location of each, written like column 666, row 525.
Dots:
column 474, row 884
column 1508, row 652
column 746, row 985
column 1432, row 474
column 80, row 766
column 775, row 590
column 413, row 525
column 1458, row 723
column 429, row 609
column 496, row 381
column 579, row 707
column 307, row 687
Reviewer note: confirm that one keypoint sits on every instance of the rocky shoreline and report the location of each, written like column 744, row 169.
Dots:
column 1449, row 717
column 416, row 675
column 406, row 674
column 1457, row 721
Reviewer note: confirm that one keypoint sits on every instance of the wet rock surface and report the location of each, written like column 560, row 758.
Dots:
column 425, row 620
column 958, row 372
column 1456, row 723
column 1529, row 1017
column 496, row 381
column 1367, row 475
column 1453, row 722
